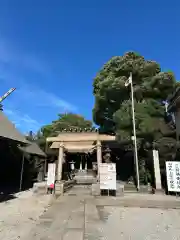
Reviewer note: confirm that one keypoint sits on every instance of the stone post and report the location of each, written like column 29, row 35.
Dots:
column 157, row 173
column 86, row 166
column 99, row 157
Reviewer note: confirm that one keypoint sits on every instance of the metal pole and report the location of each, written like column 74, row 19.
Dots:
column 7, row 94
column 134, row 132
column 46, row 160
column 22, row 170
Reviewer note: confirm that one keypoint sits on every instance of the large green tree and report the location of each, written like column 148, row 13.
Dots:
column 66, row 121
column 112, row 110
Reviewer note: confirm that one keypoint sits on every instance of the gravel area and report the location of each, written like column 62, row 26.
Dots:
column 140, row 224
column 19, row 215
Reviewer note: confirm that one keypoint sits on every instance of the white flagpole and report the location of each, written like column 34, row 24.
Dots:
column 134, row 132
column 166, row 106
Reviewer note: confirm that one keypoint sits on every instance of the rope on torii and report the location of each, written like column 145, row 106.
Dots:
column 74, row 129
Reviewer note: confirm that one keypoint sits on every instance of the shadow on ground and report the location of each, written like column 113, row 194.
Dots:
column 6, row 197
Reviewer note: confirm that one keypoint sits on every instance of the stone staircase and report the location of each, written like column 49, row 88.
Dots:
column 85, row 177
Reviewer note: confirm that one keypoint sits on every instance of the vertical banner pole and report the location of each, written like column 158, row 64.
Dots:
column 21, row 176
column 46, row 160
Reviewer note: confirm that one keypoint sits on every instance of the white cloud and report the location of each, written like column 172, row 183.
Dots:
column 15, row 57
column 27, row 96
column 35, row 100
column 26, row 92
column 41, row 98
column 22, row 121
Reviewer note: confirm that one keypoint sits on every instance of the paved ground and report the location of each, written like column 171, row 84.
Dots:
column 19, row 215
column 79, row 216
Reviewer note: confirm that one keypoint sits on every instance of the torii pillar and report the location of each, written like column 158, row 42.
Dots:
column 59, row 184
column 60, row 162
column 99, row 157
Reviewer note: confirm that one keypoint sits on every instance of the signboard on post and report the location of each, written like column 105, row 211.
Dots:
column 103, row 170
column 51, row 174
column 173, row 176
column 108, row 176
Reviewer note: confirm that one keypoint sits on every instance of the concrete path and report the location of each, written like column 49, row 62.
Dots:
column 79, row 216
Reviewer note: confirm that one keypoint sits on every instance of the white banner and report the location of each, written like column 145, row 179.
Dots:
column 173, row 176
column 108, row 176
column 51, row 173
column 157, row 173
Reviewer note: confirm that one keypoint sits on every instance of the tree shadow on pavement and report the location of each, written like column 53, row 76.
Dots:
column 6, row 197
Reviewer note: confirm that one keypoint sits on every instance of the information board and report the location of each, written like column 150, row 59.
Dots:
column 51, row 173
column 108, row 176
column 173, row 176
column 103, row 176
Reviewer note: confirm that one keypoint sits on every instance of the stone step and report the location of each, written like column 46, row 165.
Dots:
column 84, row 178
column 85, row 181
column 132, row 188
column 129, row 187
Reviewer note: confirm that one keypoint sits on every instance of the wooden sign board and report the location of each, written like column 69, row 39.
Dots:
column 108, row 176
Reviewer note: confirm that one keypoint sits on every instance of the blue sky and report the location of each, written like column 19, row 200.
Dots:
column 51, row 50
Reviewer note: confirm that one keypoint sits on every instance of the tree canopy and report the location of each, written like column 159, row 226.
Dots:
column 112, row 110
column 65, row 121
column 68, row 121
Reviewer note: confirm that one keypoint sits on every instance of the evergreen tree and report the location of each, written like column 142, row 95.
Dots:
column 112, row 109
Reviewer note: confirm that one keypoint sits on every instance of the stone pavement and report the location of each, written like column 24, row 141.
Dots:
column 79, row 216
